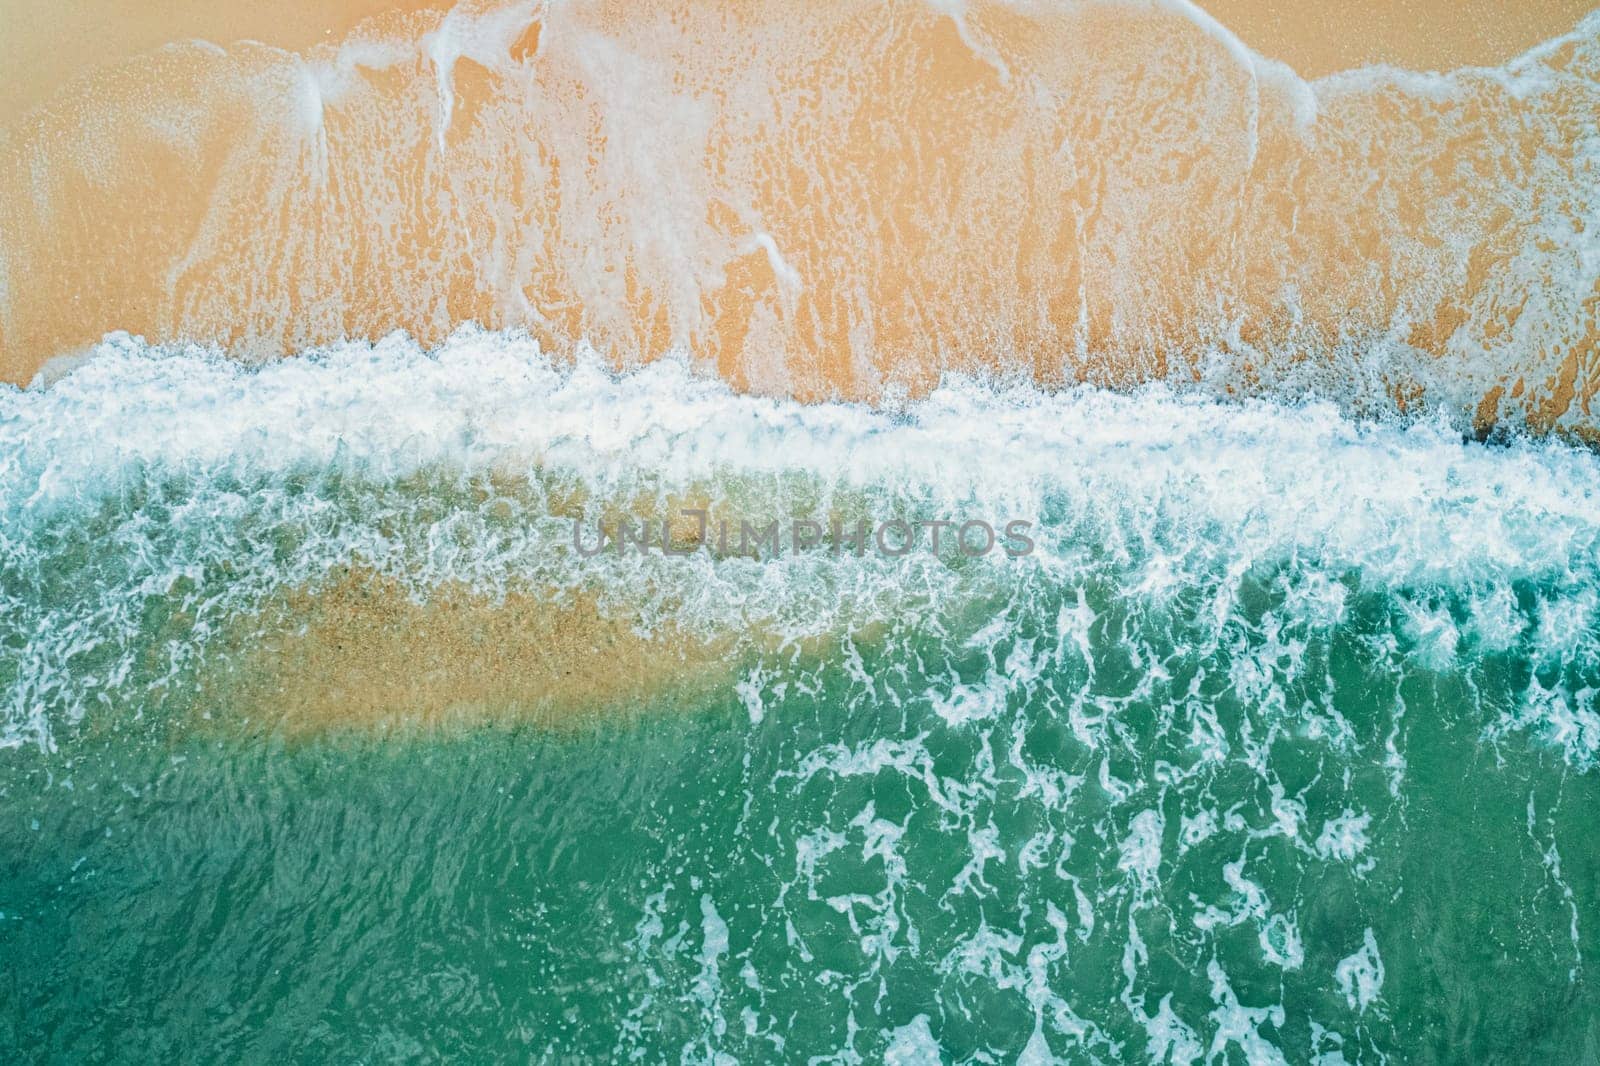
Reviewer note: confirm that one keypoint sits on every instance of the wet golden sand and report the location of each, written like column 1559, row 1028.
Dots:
column 45, row 43
column 49, row 43
column 1318, row 39
column 827, row 200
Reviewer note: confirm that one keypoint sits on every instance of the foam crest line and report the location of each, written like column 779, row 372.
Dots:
column 1414, row 502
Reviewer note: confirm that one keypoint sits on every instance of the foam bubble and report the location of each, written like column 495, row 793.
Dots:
column 1360, row 976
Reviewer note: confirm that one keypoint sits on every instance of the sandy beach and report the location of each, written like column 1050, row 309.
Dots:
column 845, row 201
column 41, row 49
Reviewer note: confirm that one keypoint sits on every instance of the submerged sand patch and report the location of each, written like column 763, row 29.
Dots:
column 366, row 654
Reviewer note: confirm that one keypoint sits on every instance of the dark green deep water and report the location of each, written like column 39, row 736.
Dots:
column 693, row 885
column 1280, row 749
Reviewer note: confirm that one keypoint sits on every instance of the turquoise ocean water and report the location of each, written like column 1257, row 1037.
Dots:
column 1280, row 747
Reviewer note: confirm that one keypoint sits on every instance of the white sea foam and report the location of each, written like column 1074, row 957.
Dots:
column 1405, row 503
column 1344, row 837
column 1360, row 976
column 1180, row 492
